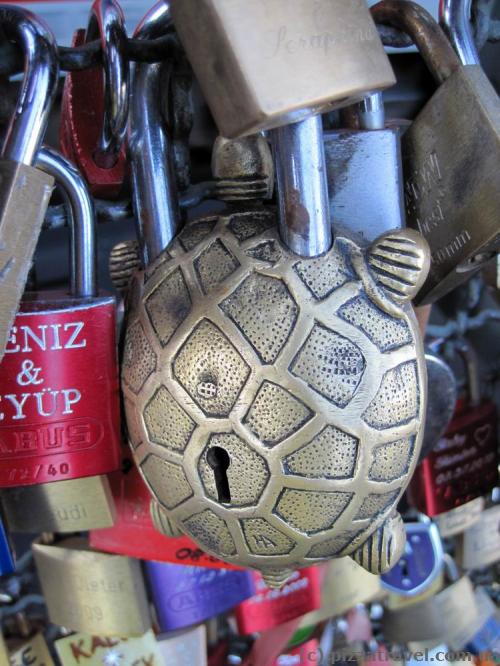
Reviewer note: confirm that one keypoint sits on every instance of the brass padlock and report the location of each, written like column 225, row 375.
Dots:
column 247, row 56
column 24, row 190
column 274, row 384
column 92, row 592
column 450, row 156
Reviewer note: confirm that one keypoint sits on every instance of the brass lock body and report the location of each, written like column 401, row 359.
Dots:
column 265, row 64
column 275, row 403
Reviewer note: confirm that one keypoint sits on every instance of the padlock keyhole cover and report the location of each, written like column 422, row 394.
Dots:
column 219, row 460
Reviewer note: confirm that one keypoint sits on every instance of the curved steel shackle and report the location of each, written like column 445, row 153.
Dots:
column 41, row 70
column 150, row 148
column 77, row 198
column 425, row 32
column 107, row 23
column 454, row 17
column 302, row 187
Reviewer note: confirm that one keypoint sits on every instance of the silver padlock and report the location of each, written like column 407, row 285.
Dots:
column 365, row 173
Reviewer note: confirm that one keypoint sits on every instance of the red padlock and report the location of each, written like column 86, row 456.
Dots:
column 464, row 463
column 272, row 607
column 59, row 395
column 93, row 114
column 133, row 533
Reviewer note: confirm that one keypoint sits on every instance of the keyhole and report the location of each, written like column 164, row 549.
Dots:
column 219, row 460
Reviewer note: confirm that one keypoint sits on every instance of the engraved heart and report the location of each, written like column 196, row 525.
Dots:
column 482, row 434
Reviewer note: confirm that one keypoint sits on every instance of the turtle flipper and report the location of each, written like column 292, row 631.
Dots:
column 384, row 547
column 399, row 261
column 162, row 521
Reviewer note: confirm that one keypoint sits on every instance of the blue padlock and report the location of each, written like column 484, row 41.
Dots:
column 420, row 563
column 185, row 595
column 7, row 565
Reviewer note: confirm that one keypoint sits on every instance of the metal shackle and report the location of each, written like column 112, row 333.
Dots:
column 425, row 32
column 454, row 17
column 41, row 71
column 82, row 220
column 302, row 187
column 150, row 148
column 107, row 23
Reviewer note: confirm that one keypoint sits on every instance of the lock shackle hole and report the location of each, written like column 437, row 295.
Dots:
column 219, row 460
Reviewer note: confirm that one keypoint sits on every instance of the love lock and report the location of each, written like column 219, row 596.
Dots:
column 273, row 379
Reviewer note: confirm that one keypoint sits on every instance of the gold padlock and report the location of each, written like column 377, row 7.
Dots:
column 92, row 592
column 76, row 505
column 247, row 56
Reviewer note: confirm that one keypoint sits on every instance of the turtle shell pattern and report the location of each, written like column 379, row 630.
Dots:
column 273, row 403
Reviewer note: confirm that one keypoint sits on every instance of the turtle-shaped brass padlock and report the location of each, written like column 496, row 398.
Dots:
column 274, row 402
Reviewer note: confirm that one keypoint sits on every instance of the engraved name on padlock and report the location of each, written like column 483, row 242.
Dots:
column 269, row 608
column 86, row 650
column 246, row 57
column 186, row 595
column 59, row 400
column 450, row 156
column 92, row 592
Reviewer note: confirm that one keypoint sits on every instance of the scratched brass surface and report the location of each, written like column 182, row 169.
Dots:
column 76, row 505
column 249, row 56
column 24, row 197
column 274, row 403
column 92, row 592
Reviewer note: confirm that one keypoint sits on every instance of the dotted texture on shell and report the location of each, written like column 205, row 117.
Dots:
column 311, row 511
column 139, row 359
column 166, row 422
column 330, row 455
column 386, row 332
column 391, row 461
column 264, row 539
column 167, row 480
column 330, row 364
column 276, row 414
column 210, row 369
column 212, row 532
column 265, row 312
column 397, row 399
column 168, row 305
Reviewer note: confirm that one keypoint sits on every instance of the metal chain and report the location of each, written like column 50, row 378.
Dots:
column 72, row 59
